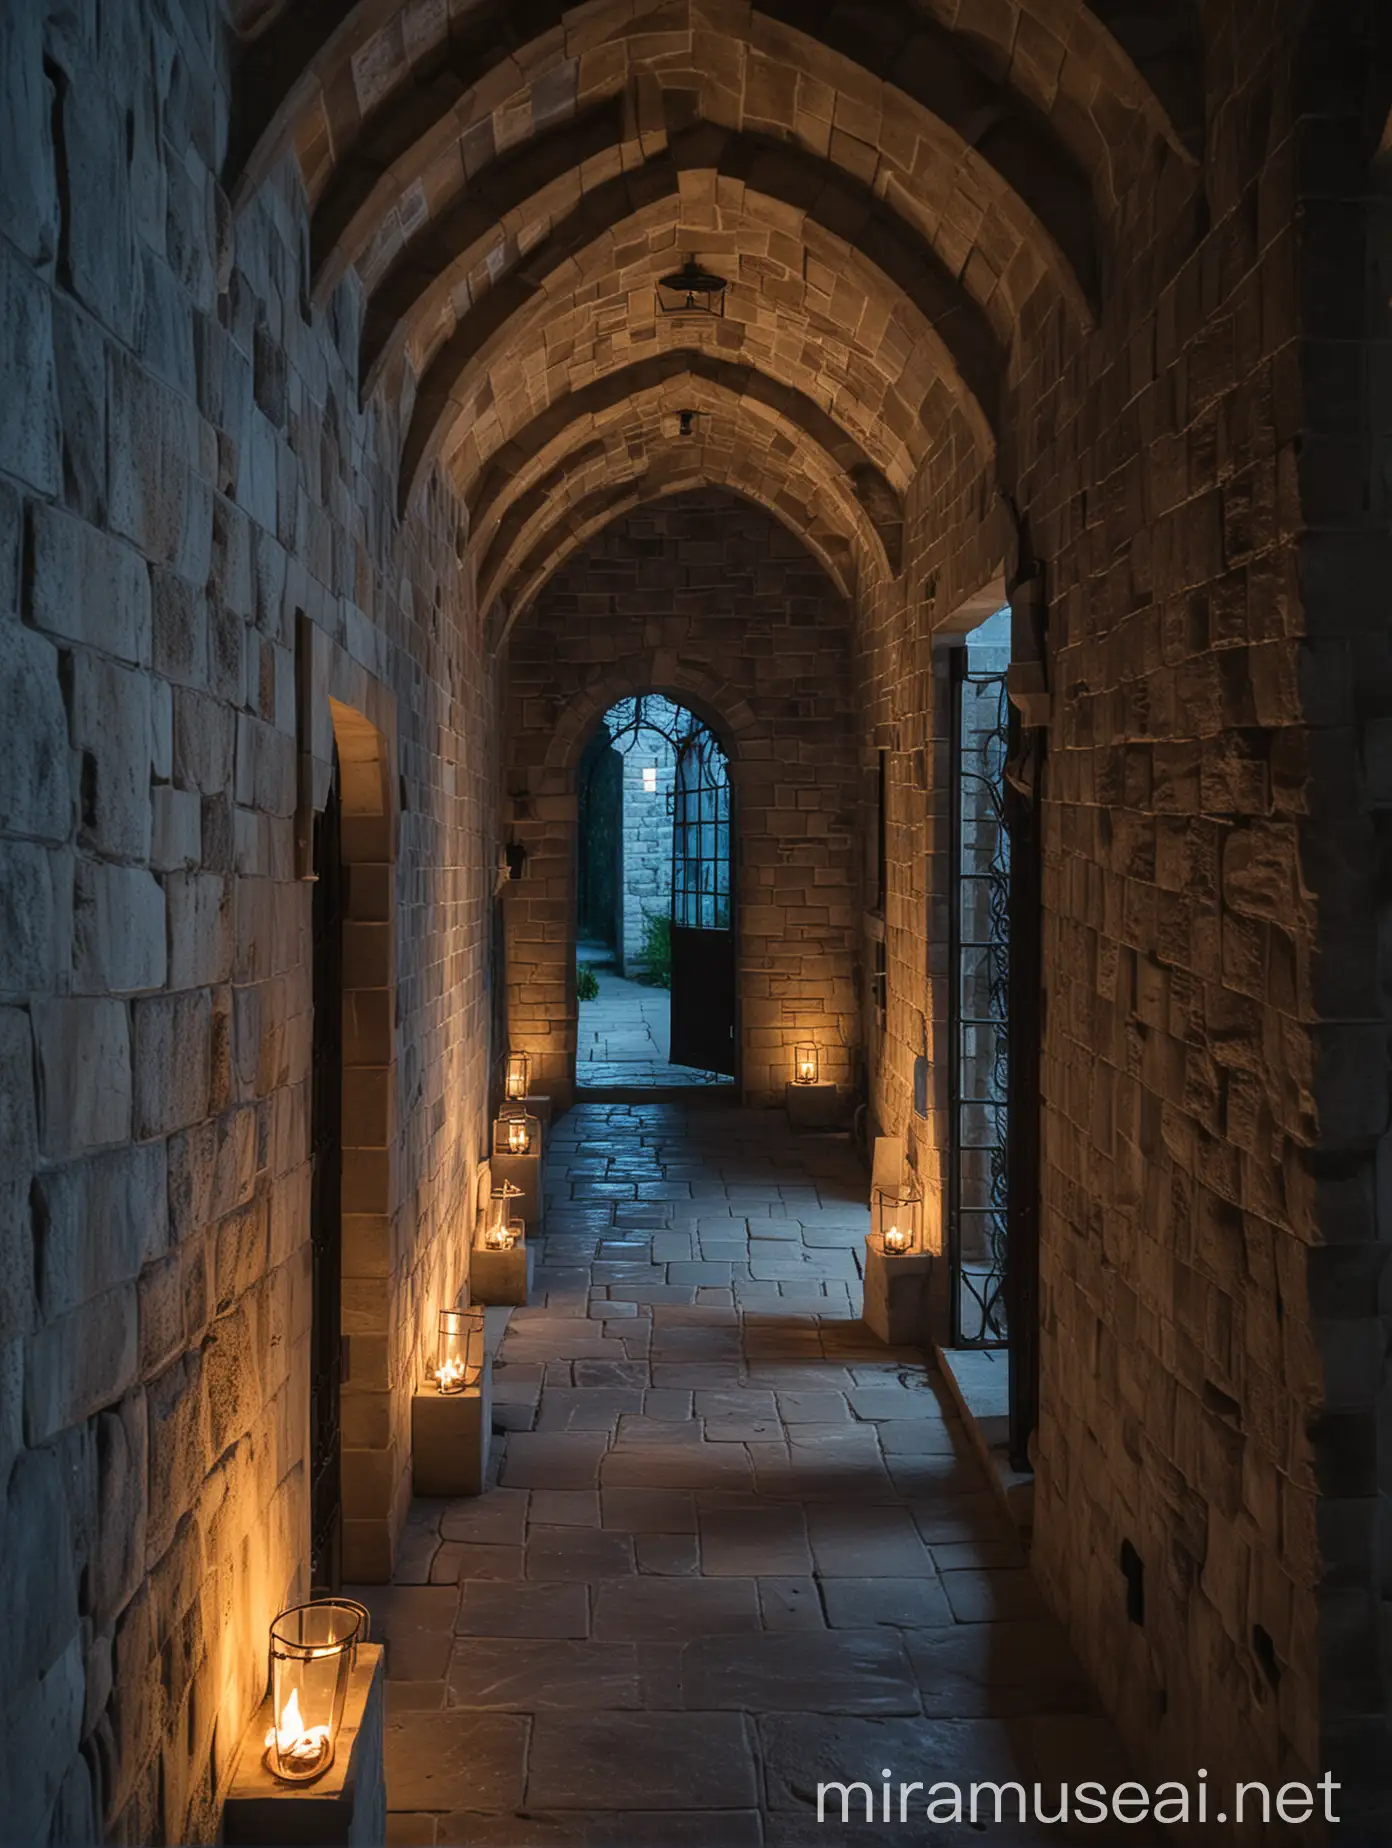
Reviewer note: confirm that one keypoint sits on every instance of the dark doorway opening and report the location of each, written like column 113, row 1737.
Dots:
column 601, row 841
column 326, row 1197
column 655, row 928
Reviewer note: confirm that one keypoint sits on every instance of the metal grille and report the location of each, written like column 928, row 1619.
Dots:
column 978, row 1192
column 701, row 834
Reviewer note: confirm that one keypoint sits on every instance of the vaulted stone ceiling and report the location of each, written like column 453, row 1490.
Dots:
column 892, row 188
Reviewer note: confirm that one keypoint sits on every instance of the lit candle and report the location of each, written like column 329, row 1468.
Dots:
column 519, row 1136
column 450, row 1375
column 895, row 1239
column 299, row 1748
column 500, row 1237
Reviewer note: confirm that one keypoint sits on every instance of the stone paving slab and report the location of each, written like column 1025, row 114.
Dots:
column 736, row 1546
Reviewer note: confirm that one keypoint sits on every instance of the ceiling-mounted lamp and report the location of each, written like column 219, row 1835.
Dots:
column 686, row 422
column 691, row 291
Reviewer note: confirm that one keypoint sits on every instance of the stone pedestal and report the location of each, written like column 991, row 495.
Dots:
column 523, row 1171
column 500, row 1276
column 896, row 1296
column 346, row 1807
column 812, row 1106
column 450, row 1432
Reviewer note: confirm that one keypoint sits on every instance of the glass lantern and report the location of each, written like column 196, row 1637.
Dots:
column 807, row 1063
column 518, row 1080
column 459, row 1350
column 313, row 1648
column 503, row 1231
column 896, row 1220
column 516, row 1133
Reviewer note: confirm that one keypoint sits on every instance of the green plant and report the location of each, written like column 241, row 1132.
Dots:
column 586, row 983
column 655, row 957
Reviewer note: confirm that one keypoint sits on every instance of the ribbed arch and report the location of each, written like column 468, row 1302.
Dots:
column 728, row 435
column 571, row 418
column 879, row 330
column 589, row 514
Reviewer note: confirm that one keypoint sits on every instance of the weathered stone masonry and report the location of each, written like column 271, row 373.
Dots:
column 291, row 358
column 184, row 474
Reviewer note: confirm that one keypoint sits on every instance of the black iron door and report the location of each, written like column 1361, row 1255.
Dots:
column 703, row 938
column 326, row 1197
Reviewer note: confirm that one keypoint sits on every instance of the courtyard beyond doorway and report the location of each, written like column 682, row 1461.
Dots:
column 624, row 1040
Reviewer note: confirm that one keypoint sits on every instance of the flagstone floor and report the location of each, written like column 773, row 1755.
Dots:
column 736, row 1548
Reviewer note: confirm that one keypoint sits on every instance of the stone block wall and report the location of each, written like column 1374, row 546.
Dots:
column 709, row 600
column 197, row 556
column 1205, row 1142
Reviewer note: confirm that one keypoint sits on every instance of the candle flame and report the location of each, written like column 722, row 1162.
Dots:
column 295, row 1743
column 895, row 1240
column 450, row 1373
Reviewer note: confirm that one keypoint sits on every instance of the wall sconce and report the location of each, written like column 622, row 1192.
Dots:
column 503, row 1232
column 515, row 1133
column 807, row 1063
column 896, row 1220
column 519, row 1075
column 313, row 1647
column 691, row 291
column 459, row 1350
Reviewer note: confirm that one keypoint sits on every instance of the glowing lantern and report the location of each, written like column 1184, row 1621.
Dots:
column 807, row 1064
column 459, row 1351
column 519, row 1074
column 896, row 1220
column 516, row 1133
column 503, row 1231
column 313, row 1647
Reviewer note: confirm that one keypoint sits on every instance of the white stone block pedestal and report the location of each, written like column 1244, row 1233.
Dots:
column 450, row 1433
column 812, row 1106
column 524, row 1171
column 896, row 1296
column 346, row 1807
column 501, row 1277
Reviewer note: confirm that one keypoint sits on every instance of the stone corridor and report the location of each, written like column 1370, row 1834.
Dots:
column 737, row 1548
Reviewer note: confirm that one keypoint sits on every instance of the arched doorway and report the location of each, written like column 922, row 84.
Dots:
column 655, row 915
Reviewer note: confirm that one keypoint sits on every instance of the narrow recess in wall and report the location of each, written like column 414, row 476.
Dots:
column 1264, row 1649
column 1133, row 1571
column 58, row 77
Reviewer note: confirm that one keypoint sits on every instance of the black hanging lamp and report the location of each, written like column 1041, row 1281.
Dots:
column 691, row 291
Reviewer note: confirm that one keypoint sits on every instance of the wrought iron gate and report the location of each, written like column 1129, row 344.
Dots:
column 979, row 1005
column 326, row 1196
